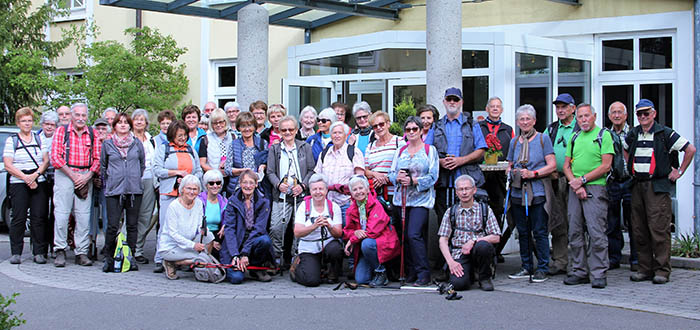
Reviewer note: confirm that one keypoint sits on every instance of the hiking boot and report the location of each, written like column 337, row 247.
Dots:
column 421, row 283
column 83, row 260
column 39, row 259
column 486, row 285
column 575, row 280
column 141, row 260
column 599, row 283
column 522, row 273
column 539, row 277
column 261, row 275
column 60, row 260
column 170, row 270
column 639, row 277
column 379, row 280
column 16, row 259
column 500, row 259
column 658, row 279
column 159, row 268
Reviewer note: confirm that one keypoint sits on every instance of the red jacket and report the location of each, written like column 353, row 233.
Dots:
column 378, row 227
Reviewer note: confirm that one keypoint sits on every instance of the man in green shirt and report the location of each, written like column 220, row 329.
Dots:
column 589, row 155
column 560, row 133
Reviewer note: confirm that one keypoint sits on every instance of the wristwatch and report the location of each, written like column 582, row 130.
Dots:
column 583, row 179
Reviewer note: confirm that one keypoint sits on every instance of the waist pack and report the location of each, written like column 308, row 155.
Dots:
column 121, row 255
column 208, row 269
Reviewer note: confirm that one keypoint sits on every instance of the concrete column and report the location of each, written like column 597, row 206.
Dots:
column 444, row 49
column 696, row 166
column 253, row 34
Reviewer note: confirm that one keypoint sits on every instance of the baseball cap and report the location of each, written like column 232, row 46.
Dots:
column 564, row 98
column 101, row 121
column 453, row 91
column 644, row 104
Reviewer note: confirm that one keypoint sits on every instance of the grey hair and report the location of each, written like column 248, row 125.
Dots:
column 232, row 104
column 362, row 105
column 624, row 107
column 492, row 98
column 526, row 109
column 140, row 112
column 585, row 105
column 49, row 115
column 413, row 119
column 328, row 113
column 204, row 120
column 306, row 109
column 189, row 179
column 465, row 177
column 346, row 128
column 212, row 175
column 79, row 105
column 289, row 118
column 110, row 109
column 217, row 115
column 318, row 177
column 355, row 179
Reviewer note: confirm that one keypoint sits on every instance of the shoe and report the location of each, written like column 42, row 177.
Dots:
column 539, row 277
column 599, row 283
column 658, row 279
column 523, row 273
column 486, row 285
column 60, row 260
column 634, row 267
column 614, row 266
column 83, row 260
column 379, row 280
column 141, row 260
column 262, row 276
column 553, row 271
column 16, row 259
column 39, row 259
column 108, row 265
column 500, row 259
column 133, row 267
column 170, row 270
column 159, row 268
column 421, row 283
column 575, row 280
column 639, row 277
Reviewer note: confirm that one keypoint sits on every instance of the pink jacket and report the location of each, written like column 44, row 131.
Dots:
column 378, row 227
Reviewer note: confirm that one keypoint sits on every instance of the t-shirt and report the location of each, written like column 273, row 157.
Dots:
column 362, row 142
column 539, row 147
column 379, row 158
column 561, row 141
column 311, row 243
column 644, row 160
column 587, row 153
column 21, row 157
column 213, row 214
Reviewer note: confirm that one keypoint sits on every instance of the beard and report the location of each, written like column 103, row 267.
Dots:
column 453, row 109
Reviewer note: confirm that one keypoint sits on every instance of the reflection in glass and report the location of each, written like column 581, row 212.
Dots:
column 227, row 76
column 301, row 96
column 621, row 93
column 655, row 53
column 662, row 96
column 416, row 92
column 475, row 91
column 574, row 77
column 618, row 55
column 533, row 85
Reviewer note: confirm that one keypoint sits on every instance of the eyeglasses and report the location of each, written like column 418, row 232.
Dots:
column 379, row 125
column 452, row 99
column 323, row 120
column 220, row 122
column 286, row 130
column 411, row 129
column 362, row 117
column 643, row 113
column 214, row 183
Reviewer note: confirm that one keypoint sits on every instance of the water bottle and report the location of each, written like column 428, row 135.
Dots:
column 118, row 259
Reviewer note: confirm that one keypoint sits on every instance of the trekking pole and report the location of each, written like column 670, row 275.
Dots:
column 402, row 274
column 204, row 230
column 527, row 221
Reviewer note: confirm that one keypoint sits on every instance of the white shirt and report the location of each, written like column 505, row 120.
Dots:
column 311, row 243
column 149, row 152
column 181, row 226
column 21, row 157
column 285, row 156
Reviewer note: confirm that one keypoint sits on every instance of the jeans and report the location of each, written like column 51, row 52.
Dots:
column 260, row 252
column 368, row 262
column 116, row 205
column 35, row 200
column 98, row 209
column 619, row 212
column 536, row 223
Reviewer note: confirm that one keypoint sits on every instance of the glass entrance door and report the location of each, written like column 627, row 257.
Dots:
column 296, row 94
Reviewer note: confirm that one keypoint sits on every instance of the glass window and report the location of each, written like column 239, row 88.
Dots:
column 662, row 96
column 227, row 76
column 73, row 4
column 655, row 53
column 475, row 91
column 416, row 92
column 301, row 96
column 223, row 101
column 618, row 55
column 621, row 93
column 574, row 77
column 475, row 59
column 533, row 85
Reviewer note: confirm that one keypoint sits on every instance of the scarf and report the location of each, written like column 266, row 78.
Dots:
column 249, row 216
column 363, row 131
column 123, row 144
column 492, row 122
column 362, row 209
column 524, row 156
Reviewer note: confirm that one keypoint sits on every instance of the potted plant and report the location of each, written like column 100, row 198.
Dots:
column 494, row 149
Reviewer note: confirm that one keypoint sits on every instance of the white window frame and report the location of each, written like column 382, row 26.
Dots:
column 216, row 92
column 75, row 12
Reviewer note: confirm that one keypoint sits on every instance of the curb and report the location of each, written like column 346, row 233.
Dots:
column 676, row 262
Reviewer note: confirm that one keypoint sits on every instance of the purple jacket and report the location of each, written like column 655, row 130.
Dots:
column 234, row 225
column 222, row 205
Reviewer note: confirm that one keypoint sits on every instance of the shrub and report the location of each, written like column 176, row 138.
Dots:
column 686, row 245
column 7, row 318
column 402, row 111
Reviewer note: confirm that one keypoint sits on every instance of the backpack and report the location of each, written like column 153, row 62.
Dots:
column 66, row 142
column 121, row 255
column 484, row 215
column 169, row 150
column 207, row 269
column 350, row 150
column 307, row 207
column 553, row 128
column 618, row 172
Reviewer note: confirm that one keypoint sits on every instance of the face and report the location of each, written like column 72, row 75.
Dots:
column 248, row 185
column 340, row 113
column 275, row 119
column 101, row 131
column 214, row 186
column 140, row 123
column 232, row 114
column 259, row 115
column 209, row 107
column 25, row 123
column 646, row 117
column 219, row 126
column 453, row 104
column 427, row 118
column 122, row 126
column 247, row 130
column 495, row 109
column 48, row 127
column 585, row 118
column 565, row 111
column 380, row 126
column 412, row 131
column 525, row 122
column 164, row 125
column 79, row 117
column 110, row 116
column 318, row 190
column 203, row 126
column 287, row 130
column 180, row 137
column 190, row 192
column 359, row 192
column 324, row 124
column 308, row 120
column 63, row 115
column 465, row 191
column 362, row 119
column 617, row 114
column 192, row 120
column 338, row 135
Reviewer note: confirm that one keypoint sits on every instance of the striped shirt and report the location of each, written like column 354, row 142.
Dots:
column 379, row 158
column 469, row 225
column 20, row 157
column 644, row 159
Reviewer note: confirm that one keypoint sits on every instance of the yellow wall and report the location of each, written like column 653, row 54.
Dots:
column 503, row 12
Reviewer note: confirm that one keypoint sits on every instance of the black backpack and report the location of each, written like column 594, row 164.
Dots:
column 618, row 172
column 350, row 150
column 484, row 215
column 66, row 141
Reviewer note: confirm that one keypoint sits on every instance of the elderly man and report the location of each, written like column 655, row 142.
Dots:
column 109, row 115
column 649, row 146
column 209, row 107
column 619, row 197
column 589, row 155
column 63, row 115
column 469, row 246
column 76, row 159
column 560, row 133
column 232, row 110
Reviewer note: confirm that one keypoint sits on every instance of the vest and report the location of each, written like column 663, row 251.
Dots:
column 659, row 178
column 447, row 177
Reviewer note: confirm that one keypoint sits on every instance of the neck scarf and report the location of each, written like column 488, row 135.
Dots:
column 524, row 156
column 122, row 144
column 363, row 131
column 249, row 216
column 497, row 122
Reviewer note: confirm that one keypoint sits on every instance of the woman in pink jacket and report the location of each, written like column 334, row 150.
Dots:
column 369, row 235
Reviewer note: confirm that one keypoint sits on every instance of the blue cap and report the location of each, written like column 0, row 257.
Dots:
column 453, row 91
column 564, row 98
column 643, row 105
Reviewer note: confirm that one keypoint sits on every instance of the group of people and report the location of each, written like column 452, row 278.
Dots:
column 359, row 195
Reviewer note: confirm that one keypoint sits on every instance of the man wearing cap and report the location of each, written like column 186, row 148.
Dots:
column 560, row 133
column 460, row 145
column 649, row 145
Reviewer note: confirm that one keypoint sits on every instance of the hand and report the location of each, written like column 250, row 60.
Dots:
column 451, row 162
column 221, row 232
column 526, row 174
column 320, row 221
column 576, row 183
column 361, row 234
column 199, row 247
column 351, row 139
column 27, row 179
column 297, row 190
column 455, row 268
column 33, row 185
column 674, row 175
column 243, row 263
column 348, row 248
column 283, row 187
column 403, row 178
column 261, row 168
column 182, row 173
column 216, row 245
column 83, row 179
column 581, row 193
column 467, row 247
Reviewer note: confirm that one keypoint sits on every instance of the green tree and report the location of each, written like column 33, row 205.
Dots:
column 402, row 111
column 26, row 73
column 8, row 319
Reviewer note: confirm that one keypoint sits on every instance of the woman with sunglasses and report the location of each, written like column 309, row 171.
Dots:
column 214, row 206
column 380, row 154
column 362, row 135
column 319, row 140
column 414, row 171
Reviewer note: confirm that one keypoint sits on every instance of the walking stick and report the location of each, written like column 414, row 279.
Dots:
column 527, row 221
column 402, row 274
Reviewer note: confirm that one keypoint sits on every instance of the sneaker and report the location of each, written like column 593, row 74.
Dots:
column 262, row 276
column 141, row 260
column 170, row 270
column 60, row 260
column 16, row 259
column 639, row 277
column 522, row 273
column 486, row 285
column 539, row 277
column 575, row 280
column 599, row 283
column 159, row 268
column 39, row 259
column 658, row 279
column 379, row 280
column 421, row 283
column 83, row 260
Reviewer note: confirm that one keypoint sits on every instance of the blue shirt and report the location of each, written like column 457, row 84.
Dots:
column 194, row 143
column 213, row 214
column 453, row 133
column 362, row 142
column 539, row 147
column 424, row 168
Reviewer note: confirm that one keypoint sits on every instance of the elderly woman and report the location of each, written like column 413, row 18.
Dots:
column 318, row 226
column 414, row 171
column 428, row 115
column 214, row 206
column 245, row 238
column 307, row 119
column 26, row 164
column 191, row 116
column 531, row 159
column 122, row 165
column 232, row 110
column 215, row 145
column 380, row 154
column 319, row 140
column 241, row 155
column 369, row 235
column 290, row 165
column 146, row 221
column 181, row 239
column 48, row 122
column 259, row 111
column 173, row 161
column 165, row 118
column 362, row 135
column 272, row 134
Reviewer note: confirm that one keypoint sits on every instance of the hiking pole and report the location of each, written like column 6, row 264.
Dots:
column 204, row 229
column 527, row 221
column 402, row 274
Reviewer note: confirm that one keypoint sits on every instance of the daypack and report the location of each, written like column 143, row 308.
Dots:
column 350, row 151
column 553, row 128
column 66, row 142
column 484, row 215
column 210, row 270
column 618, row 172
column 307, row 207
column 121, row 255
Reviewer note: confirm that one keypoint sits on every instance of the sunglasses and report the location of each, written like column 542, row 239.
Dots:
column 214, row 183
column 362, row 117
column 643, row 113
column 378, row 125
column 323, row 120
column 411, row 129
column 452, row 99
column 220, row 122
column 286, row 130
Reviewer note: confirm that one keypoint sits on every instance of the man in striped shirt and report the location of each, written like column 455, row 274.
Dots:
column 649, row 146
